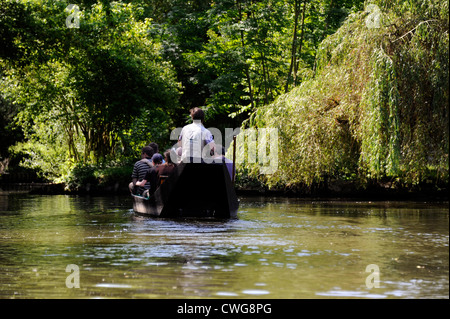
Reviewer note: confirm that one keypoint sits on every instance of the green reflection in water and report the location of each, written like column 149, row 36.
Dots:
column 278, row 248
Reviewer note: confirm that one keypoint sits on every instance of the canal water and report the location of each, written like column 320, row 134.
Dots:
column 278, row 248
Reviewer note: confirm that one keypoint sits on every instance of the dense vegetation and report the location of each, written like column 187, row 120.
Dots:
column 377, row 109
column 87, row 95
column 352, row 86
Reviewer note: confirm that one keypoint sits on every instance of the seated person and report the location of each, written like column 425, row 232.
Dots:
column 167, row 167
column 154, row 146
column 152, row 176
column 140, row 169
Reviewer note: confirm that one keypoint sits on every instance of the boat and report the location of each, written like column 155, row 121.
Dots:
column 192, row 190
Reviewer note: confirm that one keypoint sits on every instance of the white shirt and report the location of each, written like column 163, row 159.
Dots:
column 193, row 138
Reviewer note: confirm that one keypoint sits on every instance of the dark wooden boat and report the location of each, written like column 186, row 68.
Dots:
column 192, row 190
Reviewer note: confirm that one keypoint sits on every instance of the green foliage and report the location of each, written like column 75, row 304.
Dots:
column 8, row 132
column 45, row 148
column 362, row 92
column 233, row 56
column 94, row 177
column 81, row 176
column 377, row 107
column 80, row 91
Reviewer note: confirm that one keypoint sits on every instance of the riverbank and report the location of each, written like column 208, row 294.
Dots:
column 372, row 194
column 330, row 191
column 371, row 190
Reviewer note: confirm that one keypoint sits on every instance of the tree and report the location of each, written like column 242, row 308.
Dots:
column 364, row 117
column 80, row 91
column 245, row 52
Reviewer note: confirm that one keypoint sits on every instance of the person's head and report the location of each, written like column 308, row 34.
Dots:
column 154, row 146
column 157, row 159
column 147, row 152
column 167, row 156
column 197, row 114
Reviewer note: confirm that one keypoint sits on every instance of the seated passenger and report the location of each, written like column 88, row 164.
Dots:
column 152, row 176
column 154, row 146
column 166, row 168
column 140, row 169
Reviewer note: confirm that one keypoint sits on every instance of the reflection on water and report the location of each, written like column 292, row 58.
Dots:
column 278, row 248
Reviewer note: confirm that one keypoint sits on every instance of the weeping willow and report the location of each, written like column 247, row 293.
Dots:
column 376, row 109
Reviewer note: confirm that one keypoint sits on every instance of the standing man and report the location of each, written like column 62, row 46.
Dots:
column 140, row 169
column 194, row 137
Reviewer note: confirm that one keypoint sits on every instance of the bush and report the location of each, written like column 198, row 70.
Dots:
column 81, row 177
column 98, row 178
column 366, row 114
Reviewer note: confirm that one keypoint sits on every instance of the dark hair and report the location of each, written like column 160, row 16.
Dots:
column 168, row 156
column 148, row 151
column 157, row 158
column 154, row 146
column 197, row 114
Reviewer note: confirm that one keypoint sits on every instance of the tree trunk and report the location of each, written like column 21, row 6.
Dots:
column 294, row 45
column 300, row 44
column 247, row 71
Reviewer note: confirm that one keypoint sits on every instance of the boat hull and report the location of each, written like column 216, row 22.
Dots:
column 192, row 190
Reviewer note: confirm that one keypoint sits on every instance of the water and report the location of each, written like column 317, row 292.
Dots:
column 277, row 249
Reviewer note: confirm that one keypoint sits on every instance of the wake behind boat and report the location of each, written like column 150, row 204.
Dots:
column 192, row 190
